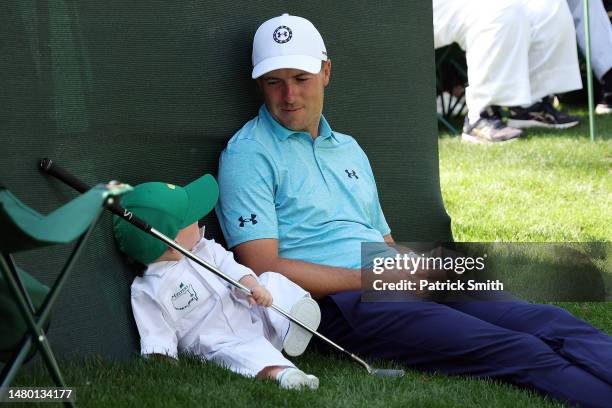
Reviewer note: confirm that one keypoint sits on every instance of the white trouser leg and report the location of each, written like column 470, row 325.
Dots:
column 248, row 357
column 285, row 294
column 601, row 34
column 553, row 58
column 496, row 41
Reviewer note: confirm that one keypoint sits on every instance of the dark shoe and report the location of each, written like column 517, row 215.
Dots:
column 541, row 114
column 488, row 129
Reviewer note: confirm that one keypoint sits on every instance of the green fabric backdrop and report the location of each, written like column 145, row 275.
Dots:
column 152, row 90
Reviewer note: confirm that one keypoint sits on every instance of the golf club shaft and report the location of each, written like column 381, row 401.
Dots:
column 48, row 166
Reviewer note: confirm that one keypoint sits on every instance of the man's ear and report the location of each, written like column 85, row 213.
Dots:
column 326, row 72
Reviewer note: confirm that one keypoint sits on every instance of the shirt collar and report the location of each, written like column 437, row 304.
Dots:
column 160, row 267
column 325, row 131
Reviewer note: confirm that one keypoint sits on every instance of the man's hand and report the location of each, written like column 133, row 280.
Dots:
column 422, row 272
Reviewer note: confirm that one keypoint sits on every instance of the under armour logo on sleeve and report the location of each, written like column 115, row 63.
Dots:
column 243, row 220
column 351, row 174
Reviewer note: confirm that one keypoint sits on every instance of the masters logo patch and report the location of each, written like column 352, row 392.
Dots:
column 184, row 296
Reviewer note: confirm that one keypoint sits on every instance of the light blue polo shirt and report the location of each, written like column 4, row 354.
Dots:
column 317, row 197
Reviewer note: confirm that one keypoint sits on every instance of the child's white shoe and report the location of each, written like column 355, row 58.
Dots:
column 293, row 379
column 307, row 311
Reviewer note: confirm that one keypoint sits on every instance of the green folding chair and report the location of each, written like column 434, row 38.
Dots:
column 451, row 70
column 13, row 326
column 25, row 303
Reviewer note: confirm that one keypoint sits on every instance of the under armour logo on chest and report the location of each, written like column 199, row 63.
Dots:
column 351, row 174
column 252, row 220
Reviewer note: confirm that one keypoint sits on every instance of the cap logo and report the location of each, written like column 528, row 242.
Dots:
column 171, row 186
column 282, row 34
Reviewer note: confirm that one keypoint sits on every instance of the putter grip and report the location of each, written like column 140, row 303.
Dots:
column 48, row 166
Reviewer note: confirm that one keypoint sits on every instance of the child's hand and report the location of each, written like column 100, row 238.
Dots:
column 260, row 296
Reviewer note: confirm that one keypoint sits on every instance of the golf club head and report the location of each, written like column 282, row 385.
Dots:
column 386, row 372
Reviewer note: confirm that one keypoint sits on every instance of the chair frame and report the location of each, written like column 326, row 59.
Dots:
column 36, row 319
column 444, row 57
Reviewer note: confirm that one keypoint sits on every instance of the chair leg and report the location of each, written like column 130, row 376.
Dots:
column 36, row 332
column 15, row 363
column 450, row 127
column 50, row 361
column 45, row 308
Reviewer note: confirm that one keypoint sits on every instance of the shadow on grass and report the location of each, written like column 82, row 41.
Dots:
column 547, row 272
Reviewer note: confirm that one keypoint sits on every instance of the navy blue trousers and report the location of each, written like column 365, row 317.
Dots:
column 540, row 347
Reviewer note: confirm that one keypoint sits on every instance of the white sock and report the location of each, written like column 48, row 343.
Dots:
column 473, row 117
column 292, row 378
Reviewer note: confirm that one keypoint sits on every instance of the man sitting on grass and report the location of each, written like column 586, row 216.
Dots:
column 180, row 306
column 300, row 198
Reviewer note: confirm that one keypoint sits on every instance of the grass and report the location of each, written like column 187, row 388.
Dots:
column 552, row 186
column 157, row 383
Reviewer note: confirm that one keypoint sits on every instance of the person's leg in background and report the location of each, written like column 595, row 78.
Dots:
column 601, row 46
column 495, row 36
column 553, row 65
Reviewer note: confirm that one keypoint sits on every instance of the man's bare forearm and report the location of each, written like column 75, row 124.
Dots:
column 319, row 280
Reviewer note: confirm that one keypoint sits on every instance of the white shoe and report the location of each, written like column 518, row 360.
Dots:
column 603, row 109
column 293, row 379
column 307, row 311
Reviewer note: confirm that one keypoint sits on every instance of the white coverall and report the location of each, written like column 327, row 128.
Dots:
column 180, row 306
column 517, row 51
column 601, row 34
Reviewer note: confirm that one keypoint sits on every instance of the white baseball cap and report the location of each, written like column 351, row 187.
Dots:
column 287, row 42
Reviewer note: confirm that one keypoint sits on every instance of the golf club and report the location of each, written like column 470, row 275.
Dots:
column 48, row 166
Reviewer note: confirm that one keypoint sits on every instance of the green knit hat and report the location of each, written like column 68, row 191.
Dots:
column 166, row 207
